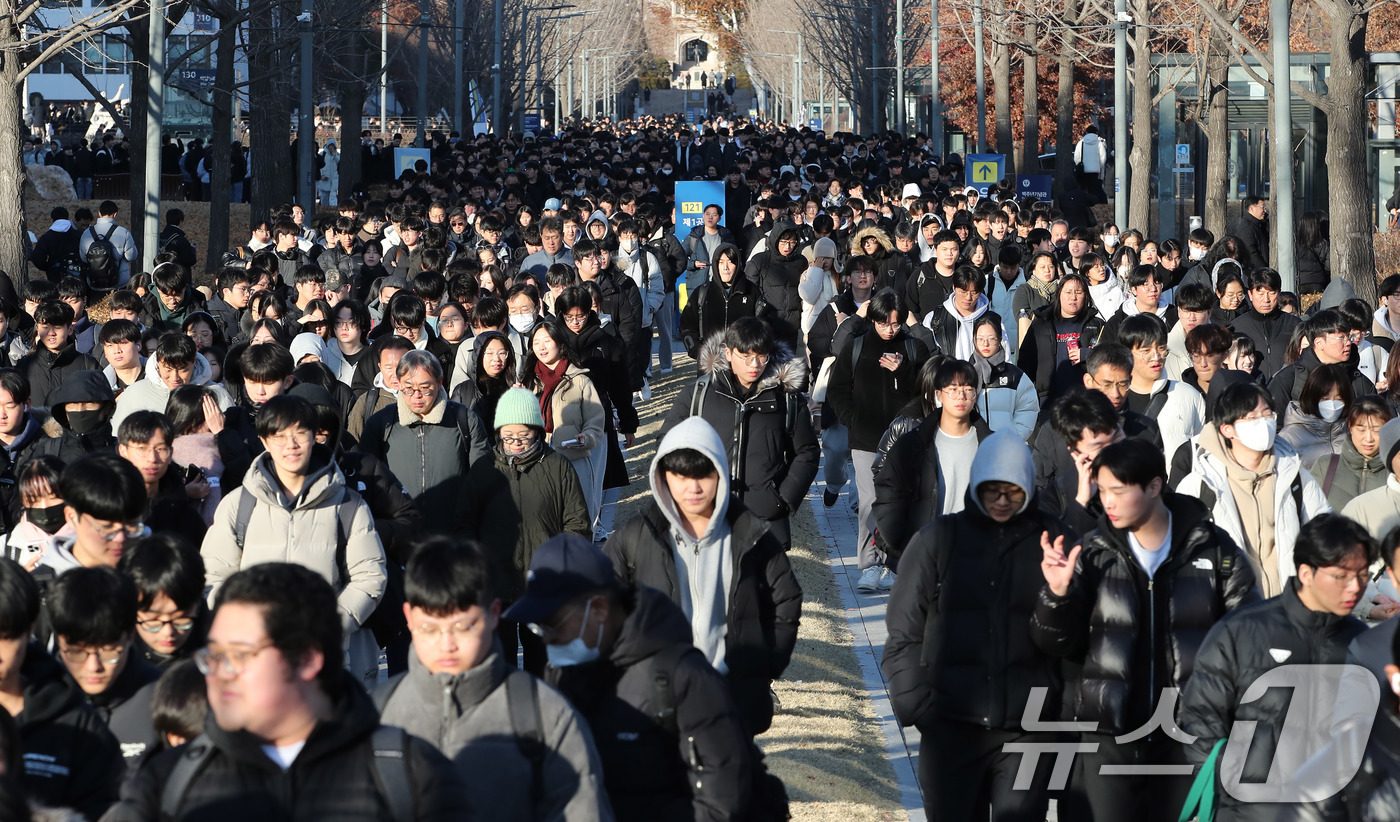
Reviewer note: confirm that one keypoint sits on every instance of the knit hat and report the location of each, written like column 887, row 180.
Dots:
column 1390, row 440
column 825, row 247
column 519, row 406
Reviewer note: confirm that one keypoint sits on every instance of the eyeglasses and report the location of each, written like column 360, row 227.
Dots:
column 575, row 319
column 230, row 662
column 754, row 359
column 525, row 440
column 879, row 324
column 458, row 630
column 960, row 391
column 1011, row 494
column 110, row 532
column 550, row 631
column 1343, row 578
column 288, row 438
column 404, row 331
column 986, row 340
column 180, row 625
column 419, row 390
column 148, row 450
column 78, row 655
column 339, row 324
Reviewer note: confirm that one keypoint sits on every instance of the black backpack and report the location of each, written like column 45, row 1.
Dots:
column 102, row 261
column 768, row 799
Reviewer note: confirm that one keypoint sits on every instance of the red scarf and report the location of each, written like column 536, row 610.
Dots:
column 549, row 380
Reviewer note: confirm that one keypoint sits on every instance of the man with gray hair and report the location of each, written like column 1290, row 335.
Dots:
column 427, row 440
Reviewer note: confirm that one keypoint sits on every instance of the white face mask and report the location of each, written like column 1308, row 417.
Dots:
column 576, row 651
column 1257, row 435
column 522, row 322
column 1196, row 253
column 628, row 246
column 1330, row 410
column 1110, row 240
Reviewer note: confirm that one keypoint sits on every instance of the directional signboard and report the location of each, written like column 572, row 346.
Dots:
column 984, row 170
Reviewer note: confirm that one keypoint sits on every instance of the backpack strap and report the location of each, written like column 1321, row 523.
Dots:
column 663, row 686
column 1207, row 496
column 1157, row 403
column 389, row 757
column 523, row 701
column 191, row 762
column 1297, row 490
column 371, row 401
column 106, row 237
column 942, row 551
column 857, row 343
column 246, row 503
column 1327, row 480
column 697, row 396
column 385, row 692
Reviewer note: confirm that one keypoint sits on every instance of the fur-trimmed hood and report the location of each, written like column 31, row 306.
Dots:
column 858, row 240
column 784, row 369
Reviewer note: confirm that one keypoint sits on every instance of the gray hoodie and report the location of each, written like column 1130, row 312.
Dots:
column 1003, row 457
column 704, row 566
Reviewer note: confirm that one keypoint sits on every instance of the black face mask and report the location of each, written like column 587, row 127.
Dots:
column 49, row 519
column 84, row 422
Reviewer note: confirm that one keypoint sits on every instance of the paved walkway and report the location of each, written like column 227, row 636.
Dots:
column 865, row 613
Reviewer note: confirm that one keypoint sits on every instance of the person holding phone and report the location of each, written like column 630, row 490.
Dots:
column 43, row 516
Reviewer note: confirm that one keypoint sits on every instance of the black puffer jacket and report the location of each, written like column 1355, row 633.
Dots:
column 622, row 301
column 770, row 467
column 907, row 493
column 778, row 277
column 712, row 307
column 603, row 355
column 332, row 778
column 1240, row 649
column 1135, row 636
column 892, row 269
column 126, row 708
column 1287, row 385
column 865, row 395
column 650, row 774
column 1373, row 793
column 47, row 370
column 152, row 316
column 71, row 759
column 958, row 645
column 1270, row 334
column 763, row 607
column 512, row 505
column 67, row 444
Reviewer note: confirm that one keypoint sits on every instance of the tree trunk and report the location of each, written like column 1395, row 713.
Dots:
column 352, row 107
column 1353, row 242
column 1217, row 159
column 220, row 149
column 273, row 181
column 1140, row 156
column 1064, row 103
column 12, row 236
column 139, row 32
column 1030, row 145
column 1001, row 103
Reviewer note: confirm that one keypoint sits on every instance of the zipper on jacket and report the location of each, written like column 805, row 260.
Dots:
column 444, row 723
column 1151, row 639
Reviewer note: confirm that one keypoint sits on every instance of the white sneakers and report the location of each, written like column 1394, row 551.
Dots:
column 875, row 579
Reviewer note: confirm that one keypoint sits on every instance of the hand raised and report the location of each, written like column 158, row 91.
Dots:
column 1056, row 565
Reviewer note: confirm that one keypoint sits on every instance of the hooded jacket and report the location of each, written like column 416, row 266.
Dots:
column 733, row 582
column 967, row 586
column 306, row 531
column 467, row 717
column 513, row 503
column 712, row 306
column 539, row 262
column 892, row 269
column 1270, row 334
column 778, row 277
column 71, row 759
column 152, row 394
column 773, row 452
column 908, row 495
column 430, row 455
column 951, row 330
column 47, row 370
column 1286, row 386
column 1137, row 636
column 643, row 267
column 1377, row 510
column 650, row 774
column 1212, row 467
column 1007, row 399
column 602, row 354
column 331, row 778
column 62, row 440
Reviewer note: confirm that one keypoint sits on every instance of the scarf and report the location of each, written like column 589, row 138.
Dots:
column 984, row 365
column 549, row 380
column 1044, row 289
column 524, row 457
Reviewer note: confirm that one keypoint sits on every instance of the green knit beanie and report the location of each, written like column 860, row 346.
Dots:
column 518, row 406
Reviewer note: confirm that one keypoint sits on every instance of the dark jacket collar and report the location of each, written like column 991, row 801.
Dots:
column 352, row 719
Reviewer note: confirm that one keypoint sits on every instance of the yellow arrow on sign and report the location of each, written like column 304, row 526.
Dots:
column 984, row 172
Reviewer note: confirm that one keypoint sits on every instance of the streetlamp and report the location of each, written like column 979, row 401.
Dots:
column 798, row 101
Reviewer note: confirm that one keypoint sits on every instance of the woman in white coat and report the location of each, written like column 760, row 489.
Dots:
column 1006, row 397
column 820, row 283
column 328, row 186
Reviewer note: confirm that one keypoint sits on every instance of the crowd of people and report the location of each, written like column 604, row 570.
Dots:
column 325, row 537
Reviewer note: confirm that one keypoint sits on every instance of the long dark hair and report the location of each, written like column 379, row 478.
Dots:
column 1312, row 231
column 555, row 330
column 1085, row 311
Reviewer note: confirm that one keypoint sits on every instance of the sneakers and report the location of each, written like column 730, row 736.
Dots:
column 887, row 580
column 829, row 497
column 666, row 370
column 777, row 703
column 870, row 579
